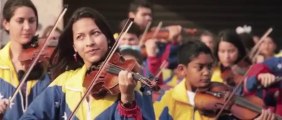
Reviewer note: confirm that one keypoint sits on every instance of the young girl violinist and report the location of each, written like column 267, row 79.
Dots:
column 229, row 52
column 85, row 43
column 20, row 22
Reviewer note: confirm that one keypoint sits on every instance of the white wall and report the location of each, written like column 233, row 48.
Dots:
column 48, row 12
column 3, row 35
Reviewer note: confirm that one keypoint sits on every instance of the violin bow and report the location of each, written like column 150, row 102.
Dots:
column 145, row 32
column 102, row 68
column 230, row 97
column 157, row 29
column 38, row 55
column 241, row 81
column 163, row 66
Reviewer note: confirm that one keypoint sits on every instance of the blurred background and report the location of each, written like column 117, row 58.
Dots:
column 213, row 15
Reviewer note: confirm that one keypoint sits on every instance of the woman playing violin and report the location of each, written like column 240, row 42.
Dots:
column 21, row 22
column 230, row 52
column 84, row 44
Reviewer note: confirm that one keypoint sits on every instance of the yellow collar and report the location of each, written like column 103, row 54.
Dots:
column 6, row 64
column 5, row 57
column 179, row 93
column 76, row 80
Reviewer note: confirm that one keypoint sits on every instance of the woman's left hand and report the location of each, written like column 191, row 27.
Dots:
column 266, row 115
column 126, row 86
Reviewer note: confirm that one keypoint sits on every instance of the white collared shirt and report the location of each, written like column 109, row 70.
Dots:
column 191, row 96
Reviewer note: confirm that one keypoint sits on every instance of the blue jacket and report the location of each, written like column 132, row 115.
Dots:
column 8, row 83
column 61, row 97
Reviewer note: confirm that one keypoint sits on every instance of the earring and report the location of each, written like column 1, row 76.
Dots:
column 75, row 56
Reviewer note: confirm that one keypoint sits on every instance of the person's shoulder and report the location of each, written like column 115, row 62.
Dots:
column 274, row 61
column 64, row 77
column 167, row 96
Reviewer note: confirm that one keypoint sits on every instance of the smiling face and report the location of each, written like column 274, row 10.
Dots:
column 22, row 25
column 89, row 41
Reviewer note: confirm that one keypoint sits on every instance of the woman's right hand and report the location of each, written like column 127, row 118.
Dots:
column 4, row 104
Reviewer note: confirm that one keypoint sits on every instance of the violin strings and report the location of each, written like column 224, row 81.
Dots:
column 116, row 69
column 243, row 102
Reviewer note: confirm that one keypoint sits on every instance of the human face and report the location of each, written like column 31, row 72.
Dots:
column 142, row 16
column 197, row 72
column 129, row 39
column 227, row 53
column 89, row 41
column 22, row 25
column 208, row 40
column 268, row 47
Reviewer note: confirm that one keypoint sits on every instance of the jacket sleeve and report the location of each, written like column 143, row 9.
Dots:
column 143, row 109
column 129, row 113
column 273, row 65
column 162, row 107
column 45, row 106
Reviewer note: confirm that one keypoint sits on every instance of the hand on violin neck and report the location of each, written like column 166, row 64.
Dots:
column 266, row 79
column 126, row 86
column 266, row 115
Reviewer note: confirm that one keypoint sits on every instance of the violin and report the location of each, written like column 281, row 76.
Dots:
column 210, row 100
column 159, row 35
column 35, row 58
column 30, row 51
column 163, row 34
column 107, row 83
column 234, row 74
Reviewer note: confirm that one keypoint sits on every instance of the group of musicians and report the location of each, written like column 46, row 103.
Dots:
column 141, row 72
